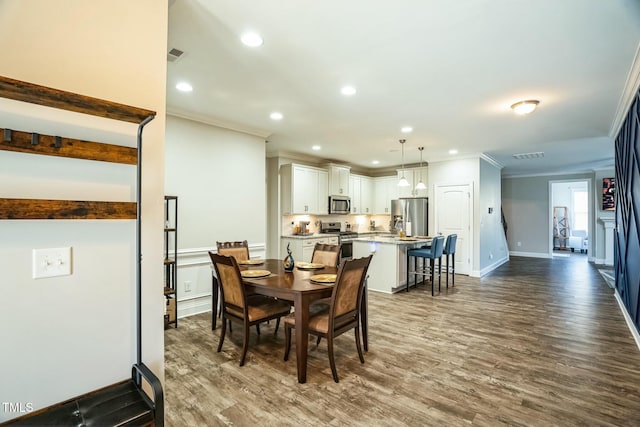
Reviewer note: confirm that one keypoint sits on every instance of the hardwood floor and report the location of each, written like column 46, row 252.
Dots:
column 537, row 342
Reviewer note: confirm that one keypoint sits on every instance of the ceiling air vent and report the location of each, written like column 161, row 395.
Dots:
column 524, row 156
column 174, row 54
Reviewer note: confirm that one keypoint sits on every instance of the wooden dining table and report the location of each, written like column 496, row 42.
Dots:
column 296, row 287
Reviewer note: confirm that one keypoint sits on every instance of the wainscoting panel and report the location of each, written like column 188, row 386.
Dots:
column 194, row 278
column 627, row 199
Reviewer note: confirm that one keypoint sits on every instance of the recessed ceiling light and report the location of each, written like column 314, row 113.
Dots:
column 453, row 151
column 316, row 148
column 251, row 39
column 276, row 116
column 525, row 107
column 348, row 90
column 184, row 87
column 406, row 129
column 375, row 162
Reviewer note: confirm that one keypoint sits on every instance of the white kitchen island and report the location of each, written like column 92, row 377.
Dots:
column 388, row 268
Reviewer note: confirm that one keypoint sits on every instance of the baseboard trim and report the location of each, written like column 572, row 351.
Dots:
column 194, row 306
column 530, row 254
column 493, row 266
column 627, row 318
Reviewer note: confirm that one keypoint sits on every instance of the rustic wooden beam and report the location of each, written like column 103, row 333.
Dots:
column 42, row 95
column 20, row 141
column 65, row 209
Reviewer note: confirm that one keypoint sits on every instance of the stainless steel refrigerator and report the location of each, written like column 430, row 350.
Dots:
column 412, row 215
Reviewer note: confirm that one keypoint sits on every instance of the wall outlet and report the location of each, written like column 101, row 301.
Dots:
column 187, row 286
column 519, row 243
column 51, row 262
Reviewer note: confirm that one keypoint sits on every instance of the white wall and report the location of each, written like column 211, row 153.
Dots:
column 69, row 335
column 219, row 178
column 493, row 245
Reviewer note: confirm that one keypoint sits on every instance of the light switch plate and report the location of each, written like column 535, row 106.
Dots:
column 51, row 262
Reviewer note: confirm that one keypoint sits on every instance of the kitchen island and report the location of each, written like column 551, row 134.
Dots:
column 388, row 268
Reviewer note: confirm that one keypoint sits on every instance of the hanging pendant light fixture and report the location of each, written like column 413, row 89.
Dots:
column 403, row 181
column 420, row 185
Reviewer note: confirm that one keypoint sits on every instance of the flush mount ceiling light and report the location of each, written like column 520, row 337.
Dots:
column 251, row 39
column 348, row 90
column 276, row 116
column 420, row 185
column 403, row 181
column 184, row 87
column 406, row 129
column 525, row 107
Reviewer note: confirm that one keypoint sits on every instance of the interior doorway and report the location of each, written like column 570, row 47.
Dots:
column 570, row 218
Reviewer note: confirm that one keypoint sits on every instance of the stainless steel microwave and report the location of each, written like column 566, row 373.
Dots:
column 339, row 205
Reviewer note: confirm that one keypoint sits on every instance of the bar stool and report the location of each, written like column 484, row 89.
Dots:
column 430, row 253
column 450, row 249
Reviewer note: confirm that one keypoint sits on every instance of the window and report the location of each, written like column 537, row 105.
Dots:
column 580, row 210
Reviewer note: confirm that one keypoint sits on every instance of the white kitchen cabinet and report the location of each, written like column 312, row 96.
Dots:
column 385, row 190
column 303, row 190
column 339, row 180
column 302, row 249
column 361, row 191
column 413, row 176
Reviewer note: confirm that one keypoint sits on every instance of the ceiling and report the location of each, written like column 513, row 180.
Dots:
column 449, row 69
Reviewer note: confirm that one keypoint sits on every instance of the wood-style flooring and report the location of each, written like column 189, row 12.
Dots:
column 538, row 342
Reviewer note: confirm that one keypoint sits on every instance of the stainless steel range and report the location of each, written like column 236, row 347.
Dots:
column 345, row 238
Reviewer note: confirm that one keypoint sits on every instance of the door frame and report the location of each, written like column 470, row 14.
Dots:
column 472, row 200
column 590, row 213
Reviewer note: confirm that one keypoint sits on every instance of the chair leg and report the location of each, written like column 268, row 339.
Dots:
column 358, row 346
column 318, row 341
column 332, row 361
column 407, row 271
column 277, row 326
column 287, row 341
column 222, row 334
column 258, row 328
column 453, row 269
column 245, row 342
column 447, row 269
column 439, row 272
column 431, row 264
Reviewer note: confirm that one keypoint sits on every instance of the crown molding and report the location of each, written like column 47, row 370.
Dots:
column 262, row 133
column 487, row 158
column 630, row 91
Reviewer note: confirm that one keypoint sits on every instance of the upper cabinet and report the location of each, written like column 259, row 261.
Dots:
column 339, row 180
column 385, row 190
column 361, row 191
column 413, row 175
column 303, row 190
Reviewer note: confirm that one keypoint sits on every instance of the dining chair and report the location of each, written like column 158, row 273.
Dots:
column 431, row 253
column 341, row 315
column 238, row 250
column 239, row 307
column 450, row 249
column 328, row 255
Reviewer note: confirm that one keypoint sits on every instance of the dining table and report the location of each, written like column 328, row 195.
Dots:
column 295, row 286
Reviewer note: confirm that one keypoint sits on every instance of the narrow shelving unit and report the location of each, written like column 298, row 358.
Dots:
column 170, row 260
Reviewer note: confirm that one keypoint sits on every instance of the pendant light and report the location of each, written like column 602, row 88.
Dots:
column 421, row 185
column 403, row 181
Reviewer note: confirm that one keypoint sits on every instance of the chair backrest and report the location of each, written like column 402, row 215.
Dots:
column 347, row 291
column 437, row 246
column 238, row 250
column 228, row 274
column 326, row 254
column 450, row 245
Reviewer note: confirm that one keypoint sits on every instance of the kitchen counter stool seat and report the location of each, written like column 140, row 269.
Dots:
column 432, row 253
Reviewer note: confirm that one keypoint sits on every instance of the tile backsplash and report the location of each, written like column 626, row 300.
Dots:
column 359, row 223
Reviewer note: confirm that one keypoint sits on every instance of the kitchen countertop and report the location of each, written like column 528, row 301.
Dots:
column 392, row 240
column 364, row 234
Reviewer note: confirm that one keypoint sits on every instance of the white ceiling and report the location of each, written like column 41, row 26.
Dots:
column 448, row 68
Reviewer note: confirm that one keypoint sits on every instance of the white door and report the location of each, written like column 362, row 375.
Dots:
column 453, row 216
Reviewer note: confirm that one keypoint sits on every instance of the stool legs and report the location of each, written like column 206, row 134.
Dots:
column 439, row 272
column 453, row 269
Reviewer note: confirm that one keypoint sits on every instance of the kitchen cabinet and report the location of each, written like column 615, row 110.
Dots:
column 339, row 180
column 385, row 190
column 302, row 249
column 304, row 190
column 413, row 175
column 361, row 191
